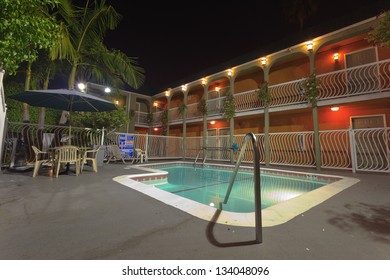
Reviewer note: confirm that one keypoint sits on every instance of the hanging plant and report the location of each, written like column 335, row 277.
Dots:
column 229, row 107
column 311, row 88
column 164, row 122
column 131, row 114
column 181, row 109
column 149, row 118
column 263, row 94
column 202, row 107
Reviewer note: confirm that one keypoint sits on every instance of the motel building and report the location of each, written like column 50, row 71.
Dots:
column 345, row 129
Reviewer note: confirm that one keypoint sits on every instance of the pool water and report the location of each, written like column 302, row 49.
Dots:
column 209, row 185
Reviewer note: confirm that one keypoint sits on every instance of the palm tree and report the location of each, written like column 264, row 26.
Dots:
column 82, row 44
column 298, row 11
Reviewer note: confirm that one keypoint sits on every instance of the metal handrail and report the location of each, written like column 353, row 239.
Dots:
column 257, row 188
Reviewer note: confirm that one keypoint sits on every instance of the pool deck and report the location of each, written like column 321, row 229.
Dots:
column 93, row 217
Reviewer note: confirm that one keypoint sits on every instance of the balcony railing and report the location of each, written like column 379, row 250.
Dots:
column 366, row 79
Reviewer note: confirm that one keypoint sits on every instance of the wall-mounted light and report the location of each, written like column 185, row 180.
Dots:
column 116, row 102
column 204, row 81
column 230, row 72
column 183, row 87
column 81, row 86
column 217, row 89
column 335, row 108
column 212, row 122
column 309, row 46
column 155, row 129
column 155, row 104
column 107, row 90
column 167, row 93
column 263, row 61
column 336, row 57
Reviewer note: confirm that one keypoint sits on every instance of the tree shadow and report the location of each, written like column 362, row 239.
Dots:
column 213, row 240
column 374, row 219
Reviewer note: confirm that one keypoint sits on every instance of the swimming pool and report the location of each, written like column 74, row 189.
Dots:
column 286, row 204
column 208, row 185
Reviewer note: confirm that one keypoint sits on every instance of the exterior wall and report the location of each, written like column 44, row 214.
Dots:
column 245, row 82
column 141, row 130
column 285, row 71
column 329, row 120
column 248, row 124
column 291, row 121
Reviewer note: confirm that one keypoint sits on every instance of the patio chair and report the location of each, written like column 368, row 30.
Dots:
column 90, row 155
column 115, row 153
column 40, row 158
column 140, row 156
column 67, row 155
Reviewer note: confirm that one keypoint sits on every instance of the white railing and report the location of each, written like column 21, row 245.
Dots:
column 157, row 118
column 372, row 149
column 287, row 93
column 141, row 118
column 192, row 111
column 215, row 106
column 335, row 149
column 164, row 147
column 173, row 115
column 366, row 79
column 247, row 101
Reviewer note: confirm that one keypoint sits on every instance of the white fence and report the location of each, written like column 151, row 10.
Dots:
column 3, row 110
column 356, row 150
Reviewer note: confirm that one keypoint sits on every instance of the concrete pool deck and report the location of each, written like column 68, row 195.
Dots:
column 93, row 217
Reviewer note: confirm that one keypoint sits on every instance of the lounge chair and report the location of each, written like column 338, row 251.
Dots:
column 140, row 156
column 115, row 153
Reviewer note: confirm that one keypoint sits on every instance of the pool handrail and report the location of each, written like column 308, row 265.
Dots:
column 257, row 187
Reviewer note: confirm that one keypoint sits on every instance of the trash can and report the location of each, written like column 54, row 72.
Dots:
column 100, row 155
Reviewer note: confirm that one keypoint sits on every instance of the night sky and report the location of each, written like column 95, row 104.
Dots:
column 177, row 44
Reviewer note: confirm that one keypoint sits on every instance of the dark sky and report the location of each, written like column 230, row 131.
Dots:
column 177, row 44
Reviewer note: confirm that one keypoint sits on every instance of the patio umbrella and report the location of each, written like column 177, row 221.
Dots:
column 65, row 99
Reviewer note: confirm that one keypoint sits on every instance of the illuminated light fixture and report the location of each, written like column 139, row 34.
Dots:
column 166, row 93
column 263, row 61
column 116, row 102
column 155, row 129
column 204, row 81
column 212, row 122
column 212, row 204
column 335, row 108
column 155, row 104
column 81, row 86
column 309, row 46
column 336, row 57
column 107, row 90
column 230, row 72
column 217, row 89
column 183, row 87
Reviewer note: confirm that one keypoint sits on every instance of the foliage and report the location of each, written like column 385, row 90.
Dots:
column 131, row 114
column 164, row 122
column 109, row 120
column 82, row 44
column 181, row 109
column 25, row 28
column 149, row 118
column 311, row 89
column 229, row 107
column 263, row 94
column 380, row 33
column 202, row 107
column 14, row 107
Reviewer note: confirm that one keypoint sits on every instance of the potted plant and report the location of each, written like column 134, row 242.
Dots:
column 311, row 87
column 263, row 94
column 181, row 109
column 202, row 107
column 229, row 107
column 149, row 118
column 164, row 122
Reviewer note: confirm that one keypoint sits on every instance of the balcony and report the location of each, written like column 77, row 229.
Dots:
column 368, row 79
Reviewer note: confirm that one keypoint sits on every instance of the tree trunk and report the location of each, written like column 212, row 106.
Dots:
column 26, row 114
